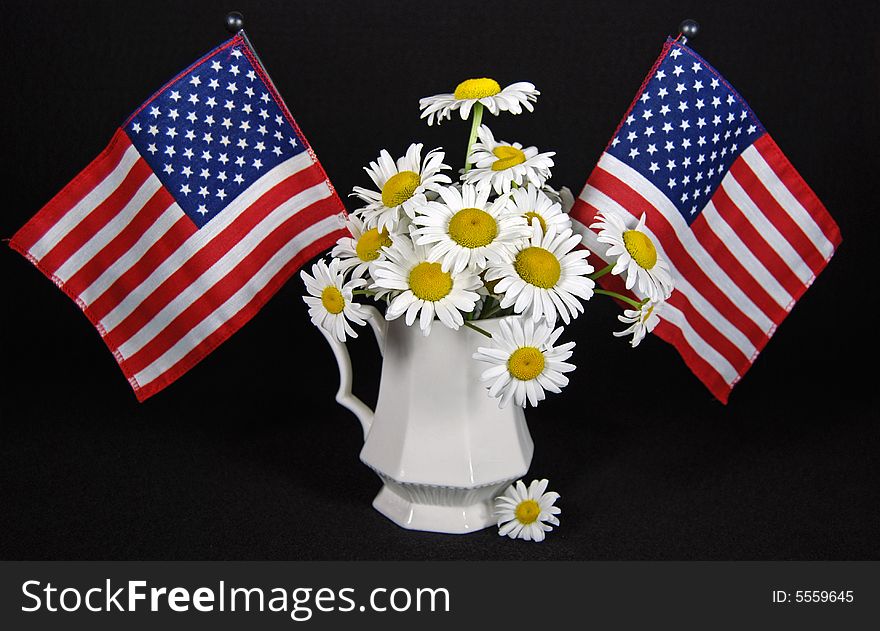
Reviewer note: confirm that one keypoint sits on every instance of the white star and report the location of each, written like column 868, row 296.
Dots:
column 168, row 169
column 742, row 115
column 260, row 147
column 224, row 159
column 671, row 183
column 249, row 91
column 258, row 163
column 714, row 83
column 667, row 127
column 209, row 119
column 229, row 105
column 278, row 119
column 222, row 175
column 188, row 153
column 206, row 156
column 653, row 168
column 700, row 104
column 684, row 197
column 224, row 140
column 716, row 101
column 191, row 117
column 686, row 179
column 652, row 148
column 193, row 98
column 649, row 131
column 701, row 122
column 685, row 143
column 616, row 141
column 234, row 69
column 172, row 114
column 687, row 160
column 185, row 189
column 246, row 108
column 730, row 117
column 236, row 53
column 242, row 143
column 292, row 142
column 227, row 123
column 203, row 191
column 699, row 176
column 696, row 67
column 675, row 53
column 664, row 110
column 730, row 99
column 733, row 148
column 136, row 128
column 645, row 96
column 238, row 179
column 154, row 112
column 716, row 120
column 231, row 87
column 215, row 66
column 684, row 124
column 195, row 80
column 265, row 97
column 175, row 96
column 190, row 134
column 723, row 151
column 751, row 129
column 633, row 152
column 682, row 106
column 152, row 148
column 211, row 102
column 678, row 70
column 712, row 171
column 276, row 150
column 670, row 165
column 630, row 119
column 245, row 125
column 669, row 147
column 221, row 193
column 631, row 136
column 208, row 138
column 693, row 209
column 647, row 114
column 251, row 75
column 264, row 114
column 707, row 189
column 262, row 129
column 169, row 151
column 701, row 158
column 213, row 84
column 205, row 174
column 662, row 92
column 698, row 85
column 186, row 171
column 239, row 161
column 660, row 75
column 680, row 88
column 701, row 140
column 153, row 130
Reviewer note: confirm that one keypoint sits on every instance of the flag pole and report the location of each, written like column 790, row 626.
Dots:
column 235, row 25
column 687, row 28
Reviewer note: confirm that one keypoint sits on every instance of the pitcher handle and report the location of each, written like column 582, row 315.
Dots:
column 344, row 395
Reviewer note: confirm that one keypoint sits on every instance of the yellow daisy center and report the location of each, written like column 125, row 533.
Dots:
column 641, row 248
column 507, row 157
column 428, row 282
column 400, row 188
column 477, row 89
column 525, row 363
column 368, row 245
column 527, row 512
column 473, row 228
column 538, row 267
column 332, row 300
column 533, row 215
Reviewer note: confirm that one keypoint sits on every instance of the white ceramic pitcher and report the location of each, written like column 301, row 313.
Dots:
column 442, row 447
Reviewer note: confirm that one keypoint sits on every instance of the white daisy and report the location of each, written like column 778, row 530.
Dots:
column 525, row 362
column 464, row 229
column 527, row 513
column 402, row 185
column 533, row 203
column 360, row 249
column 635, row 255
column 546, row 276
column 330, row 299
column 424, row 287
column 487, row 92
column 499, row 164
column 641, row 322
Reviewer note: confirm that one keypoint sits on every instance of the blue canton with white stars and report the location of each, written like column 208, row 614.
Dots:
column 213, row 132
column 685, row 130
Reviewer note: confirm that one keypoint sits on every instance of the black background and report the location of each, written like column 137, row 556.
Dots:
column 248, row 456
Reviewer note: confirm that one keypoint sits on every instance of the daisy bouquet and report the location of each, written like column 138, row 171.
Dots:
column 494, row 242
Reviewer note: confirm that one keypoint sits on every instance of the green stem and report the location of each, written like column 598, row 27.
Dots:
column 477, row 329
column 362, row 292
column 601, row 272
column 614, row 294
column 476, row 119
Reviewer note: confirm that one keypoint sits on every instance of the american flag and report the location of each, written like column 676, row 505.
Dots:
column 205, row 202
column 744, row 234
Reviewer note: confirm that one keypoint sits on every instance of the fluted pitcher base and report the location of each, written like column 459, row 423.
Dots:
column 451, row 510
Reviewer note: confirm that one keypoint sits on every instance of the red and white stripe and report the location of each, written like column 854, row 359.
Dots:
column 161, row 292
column 738, row 268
